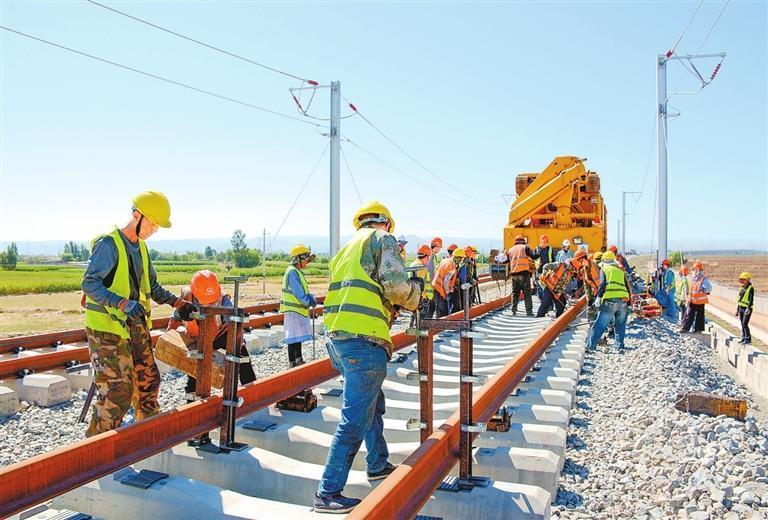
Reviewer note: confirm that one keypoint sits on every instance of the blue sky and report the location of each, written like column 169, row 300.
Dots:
column 477, row 92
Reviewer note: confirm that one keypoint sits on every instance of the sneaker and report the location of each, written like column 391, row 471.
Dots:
column 384, row 473
column 335, row 504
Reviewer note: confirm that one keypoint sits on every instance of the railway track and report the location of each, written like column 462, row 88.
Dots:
column 277, row 474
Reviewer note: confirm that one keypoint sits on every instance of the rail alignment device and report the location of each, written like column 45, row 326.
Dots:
column 43, row 477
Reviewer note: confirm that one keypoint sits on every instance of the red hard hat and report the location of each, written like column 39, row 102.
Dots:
column 453, row 247
column 614, row 249
column 666, row 262
column 437, row 241
column 544, row 238
column 580, row 253
column 424, row 250
column 205, row 287
column 698, row 265
column 519, row 239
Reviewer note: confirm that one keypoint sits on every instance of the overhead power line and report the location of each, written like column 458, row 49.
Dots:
column 712, row 27
column 685, row 29
column 352, row 177
column 161, row 78
column 198, row 42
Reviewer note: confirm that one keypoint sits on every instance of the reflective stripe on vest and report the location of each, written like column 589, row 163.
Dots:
column 429, row 292
column 518, row 260
column 289, row 302
column 111, row 319
column 744, row 298
column 698, row 297
column 615, row 285
column 354, row 303
column 443, row 270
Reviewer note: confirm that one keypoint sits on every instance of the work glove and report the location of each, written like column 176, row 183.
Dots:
column 133, row 309
column 597, row 302
column 184, row 308
column 312, row 301
column 419, row 281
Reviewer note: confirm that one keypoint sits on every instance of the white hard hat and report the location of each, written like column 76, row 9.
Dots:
column 566, row 242
column 402, row 239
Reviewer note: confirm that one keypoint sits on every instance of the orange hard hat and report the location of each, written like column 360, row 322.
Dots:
column 614, row 249
column 452, row 247
column 437, row 241
column 471, row 253
column 666, row 262
column 519, row 239
column 580, row 253
column 684, row 271
column 698, row 265
column 544, row 238
column 205, row 287
column 424, row 250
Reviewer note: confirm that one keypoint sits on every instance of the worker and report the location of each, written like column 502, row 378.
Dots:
column 520, row 261
column 665, row 292
column 435, row 246
column 544, row 255
column 598, row 258
column 474, row 295
column 204, row 289
column 401, row 242
column 682, row 291
column 422, row 257
column 554, row 279
column 700, row 288
column 565, row 252
column 590, row 274
column 444, row 282
column 744, row 306
column 367, row 281
column 450, row 250
column 117, row 285
column 296, row 304
column 621, row 261
column 613, row 300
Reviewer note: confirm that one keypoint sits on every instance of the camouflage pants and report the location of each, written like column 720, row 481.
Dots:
column 126, row 374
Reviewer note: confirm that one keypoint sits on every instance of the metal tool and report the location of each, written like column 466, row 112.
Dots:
column 87, row 403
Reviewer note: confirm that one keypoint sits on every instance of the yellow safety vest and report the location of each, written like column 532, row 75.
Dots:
column 111, row 319
column 355, row 302
column 744, row 298
column 615, row 285
column 429, row 292
column 289, row 302
column 682, row 288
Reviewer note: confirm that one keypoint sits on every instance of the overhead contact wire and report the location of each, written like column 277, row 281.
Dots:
column 160, row 78
column 352, row 177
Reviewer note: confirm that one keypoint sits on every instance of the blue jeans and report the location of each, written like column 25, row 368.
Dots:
column 613, row 309
column 364, row 366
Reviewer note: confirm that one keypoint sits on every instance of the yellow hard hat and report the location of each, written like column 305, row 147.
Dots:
column 299, row 249
column 155, row 206
column 745, row 276
column 598, row 256
column 376, row 212
column 459, row 253
column 609, row 256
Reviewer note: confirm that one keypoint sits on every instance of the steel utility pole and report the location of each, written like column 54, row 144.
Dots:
column 335, row 191
column 661, row 139
column 624, row 218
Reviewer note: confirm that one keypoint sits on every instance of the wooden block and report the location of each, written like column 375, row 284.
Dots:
column 711, row 404
column 172, row 348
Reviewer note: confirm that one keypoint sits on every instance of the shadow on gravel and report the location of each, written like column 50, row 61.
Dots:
column 583, row 393
column 579, row 422
column 585, row 382
column 576, row 443
column 574, row 468
column 569, row 499
column 583, row 406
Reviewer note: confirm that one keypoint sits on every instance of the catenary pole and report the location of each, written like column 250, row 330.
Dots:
column 335, row 187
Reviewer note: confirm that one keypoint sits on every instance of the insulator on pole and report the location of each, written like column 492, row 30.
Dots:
column 353, row 107
column 714, row 72
column 312, row 82
column 670, row 53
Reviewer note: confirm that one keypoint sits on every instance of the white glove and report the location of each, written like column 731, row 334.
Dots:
column 597, row 302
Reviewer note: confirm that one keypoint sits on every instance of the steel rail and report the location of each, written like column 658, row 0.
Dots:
column 48, row 475
column 406, row 490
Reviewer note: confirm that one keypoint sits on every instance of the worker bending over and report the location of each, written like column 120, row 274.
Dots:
column 700, row 289
column 444, row 282
column 612, row 298
column 521, row 259
column 590, row 274
column 555, row 278
column 367, row 281
column 296, row 304
column 117, row 286
column 204, row 289
column 744, row 306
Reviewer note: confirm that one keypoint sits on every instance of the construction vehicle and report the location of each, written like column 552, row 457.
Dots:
column 562, row 202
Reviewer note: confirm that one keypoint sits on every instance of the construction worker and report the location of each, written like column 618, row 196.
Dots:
column 451, row 248
column 435, row 246
column 444, row 282
column 117, row 285
column 544, row 255
column 700, row 288
column 744, row 306
column 471, row 263
column 520, row 262
column 428, row 295
column 204, row 289
column 554, row 278
column 665, row 291
column 612, row 299
column 590, row 274
column 621, row 261
column 565, row 252
column 682, row 291
column 367, row 281
column 598, row 258
column 296, row 304
column 401, row 242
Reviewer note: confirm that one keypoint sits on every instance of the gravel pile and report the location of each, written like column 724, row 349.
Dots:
column 630, row 454
column 34, row 430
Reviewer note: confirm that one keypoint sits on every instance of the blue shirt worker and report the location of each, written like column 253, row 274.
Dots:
column 565, row 252
column 665, row 292
column 117, row 286
column 367, row 281
column 296, row 304
column 612, row 299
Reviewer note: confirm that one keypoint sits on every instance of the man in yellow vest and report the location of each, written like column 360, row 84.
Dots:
column 612, row 299
column 295, row 304
column 682, row 291
column 117, row 287
column 367, row 282
column 521, row 259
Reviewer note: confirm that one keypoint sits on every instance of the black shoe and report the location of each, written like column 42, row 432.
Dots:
column 384, row 473
column 335, row 504
column 748, row 342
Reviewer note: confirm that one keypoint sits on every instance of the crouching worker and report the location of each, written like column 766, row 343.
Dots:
column 205, row 290
column 613, row 299
column 367, row 280
column 296, row 303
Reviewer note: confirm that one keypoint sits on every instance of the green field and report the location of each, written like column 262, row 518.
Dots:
column 41, row 279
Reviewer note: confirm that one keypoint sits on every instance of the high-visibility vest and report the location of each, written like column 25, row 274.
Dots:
column 744, row 297
column 698, row 297
column 592, row 276
column 289, row 302
column 621, row 262
column 615, row 284
column 355, row 302
column 518, row 260
column 551, row 278
column 403, row 254
column 111, row 319
column 445, row 268
column 429, row 292
column 682, row 288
